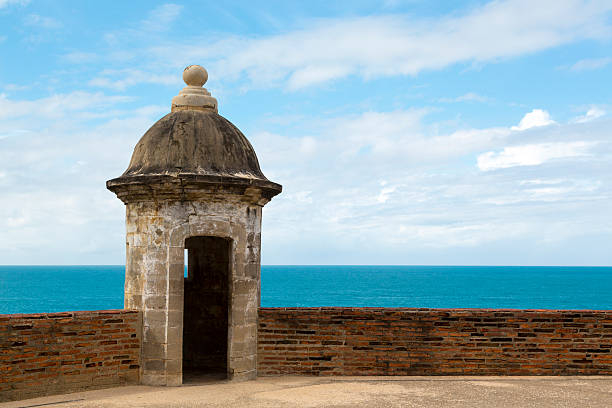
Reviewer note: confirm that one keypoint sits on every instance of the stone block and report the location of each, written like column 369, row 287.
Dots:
column 154, row 266
column 153, row 365
column 138, row 239
column 157, row 302
column 177, row 276
column 174, row 379
column 243, row 334
column 175, row 318
column 176, row 255
column 237, row 270
column 178, row 235
column 241, row 303
column 156, row 253
column 175, row 302
column 132, row 301
column 152, row 350
column 209, row 226
column 155, row 285
column 133, row 283
column 153, row 378
column 244, row 375
column 239, row 317
column 252, row 271
column 174, row 366
column 174, row 350
column 246, row 287
column 154, row 334
column 243, row 349
column 176, row 287
column 243, row 364
column 154, row 318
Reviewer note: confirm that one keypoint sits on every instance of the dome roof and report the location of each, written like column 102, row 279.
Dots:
column 194, row 143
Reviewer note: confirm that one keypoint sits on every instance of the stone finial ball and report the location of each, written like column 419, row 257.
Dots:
column 195, row 75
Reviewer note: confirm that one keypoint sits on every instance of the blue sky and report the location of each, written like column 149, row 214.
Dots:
column 403, row 132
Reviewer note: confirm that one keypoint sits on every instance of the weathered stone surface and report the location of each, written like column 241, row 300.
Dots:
column 154, row 275
column 194, row 142
column 194, row 183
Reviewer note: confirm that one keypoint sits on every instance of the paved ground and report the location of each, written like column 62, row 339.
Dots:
column 314, row 392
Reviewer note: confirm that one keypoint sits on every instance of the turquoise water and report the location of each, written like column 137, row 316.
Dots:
column 34, row 289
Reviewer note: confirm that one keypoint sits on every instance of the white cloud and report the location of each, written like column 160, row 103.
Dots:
column 79, row 57
column 157, row 21
column 15, row 87
column 590, row 64
column 372, row 47
column 535, row 118
column 56, row 156
column 531, row 155
column 121, row 79
column 52, row 172
column 538, row 182
column 384, row 182
column 384, row 194
column 310, row 75
column 6, row 3
column 468, row 97
column 161, row 17
column 592, row 114
column 35, row 20
column 385, row 46
column 57, row 106
column 462, row 235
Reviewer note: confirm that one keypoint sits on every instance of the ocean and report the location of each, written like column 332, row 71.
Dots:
column 38, row 289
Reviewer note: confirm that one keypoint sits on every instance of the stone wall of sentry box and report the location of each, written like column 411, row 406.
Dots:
column 53, row 353
column 389, row 341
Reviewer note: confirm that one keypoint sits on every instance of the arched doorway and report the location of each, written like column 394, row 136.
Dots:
column 206, row 308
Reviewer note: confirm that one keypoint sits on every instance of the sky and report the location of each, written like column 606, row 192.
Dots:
column 403, row 132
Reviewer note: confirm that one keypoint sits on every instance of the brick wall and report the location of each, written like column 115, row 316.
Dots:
column 52, row 353
column 387, row 341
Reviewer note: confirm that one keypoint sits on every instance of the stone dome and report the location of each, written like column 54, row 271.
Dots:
column 194, row 142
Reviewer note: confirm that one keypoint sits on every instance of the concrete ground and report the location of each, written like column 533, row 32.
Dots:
column 314, row 392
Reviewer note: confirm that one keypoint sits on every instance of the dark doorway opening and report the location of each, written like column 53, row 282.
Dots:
column 206, row 308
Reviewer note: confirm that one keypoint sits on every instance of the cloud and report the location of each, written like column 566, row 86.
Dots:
column 392, row 45
column 375, row 186
column 157, row 21
column 535, row 118
column 35, row 20
column 316, row 74
column 79, row 57
column 549, row 191
column 58, row 106
column 384, row 194
column 430, row 197
column 592, row 114
column 119, row 80
column 468, row 97
column 161, row 17
column 590, row 64
column 6, row 3
column 531, row 155
column 56, row 153
column 15, row 87
column 370, row 47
